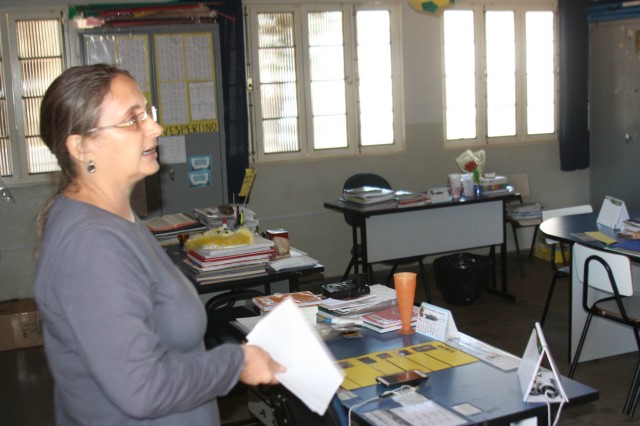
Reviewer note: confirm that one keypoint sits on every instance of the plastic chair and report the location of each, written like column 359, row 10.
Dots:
column 565, row 270
column 372, row 179
column 521, row 183
column 609, row 273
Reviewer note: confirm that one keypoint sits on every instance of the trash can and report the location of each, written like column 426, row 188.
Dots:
column 462, row 277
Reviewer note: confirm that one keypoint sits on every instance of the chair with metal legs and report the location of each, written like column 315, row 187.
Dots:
column 607, row 292
column 372, row 179
column 563, row 271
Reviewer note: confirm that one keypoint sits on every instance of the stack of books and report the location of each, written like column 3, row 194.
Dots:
column 387, row 319
column 494, row 185
column 379, row 297
column 630, row 229
column 528, row 213
column 409, row 198
column 305, row 300
column 167, row 228
column 212, row 265
column 368, row 195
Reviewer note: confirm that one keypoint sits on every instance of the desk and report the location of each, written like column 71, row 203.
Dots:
column 605, row 338
column 264, row 279
column 497, row 393
column 390, row 232
column 494, row 392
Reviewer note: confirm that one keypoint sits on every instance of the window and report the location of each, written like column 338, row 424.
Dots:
column 31, row 57
column 324, row 80
column 500, row 73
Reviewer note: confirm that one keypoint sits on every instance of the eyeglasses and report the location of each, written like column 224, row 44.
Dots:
column 135, row 121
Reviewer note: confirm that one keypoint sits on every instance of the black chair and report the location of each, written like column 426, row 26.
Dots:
column 289, row 410
column 222, row 309
column 372, row 179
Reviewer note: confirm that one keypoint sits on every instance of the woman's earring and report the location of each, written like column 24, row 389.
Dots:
column 91, row 168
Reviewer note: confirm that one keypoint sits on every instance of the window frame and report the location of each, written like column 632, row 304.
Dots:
column 305, row 120
column 521, row 137
column 13, row 82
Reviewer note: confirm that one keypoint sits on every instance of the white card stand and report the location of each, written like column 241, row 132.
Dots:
column 436, row 322
column 530, row 370
column 612, row 213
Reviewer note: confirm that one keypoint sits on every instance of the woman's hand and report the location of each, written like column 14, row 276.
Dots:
column 259, row 367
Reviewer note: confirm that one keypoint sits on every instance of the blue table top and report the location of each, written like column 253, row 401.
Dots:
column 494, row 392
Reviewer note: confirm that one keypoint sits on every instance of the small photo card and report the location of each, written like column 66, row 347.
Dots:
column 436, row 322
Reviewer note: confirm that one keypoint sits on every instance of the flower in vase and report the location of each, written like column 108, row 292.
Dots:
column 472, row 167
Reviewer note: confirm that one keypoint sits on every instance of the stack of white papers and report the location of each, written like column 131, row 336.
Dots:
column 296, row 259
column 379, row 296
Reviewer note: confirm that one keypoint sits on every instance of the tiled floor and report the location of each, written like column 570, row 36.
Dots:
column 25, row 382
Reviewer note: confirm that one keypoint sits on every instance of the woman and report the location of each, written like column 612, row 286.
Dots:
column 123, row 327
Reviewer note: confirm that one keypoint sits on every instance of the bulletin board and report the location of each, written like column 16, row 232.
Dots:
column 177, row 69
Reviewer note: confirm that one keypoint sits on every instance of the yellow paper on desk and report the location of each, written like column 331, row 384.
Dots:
column 601, row 237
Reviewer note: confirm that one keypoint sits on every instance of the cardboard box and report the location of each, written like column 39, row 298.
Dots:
column 20, row 324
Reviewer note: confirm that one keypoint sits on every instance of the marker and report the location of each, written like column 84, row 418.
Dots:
column 343, row 321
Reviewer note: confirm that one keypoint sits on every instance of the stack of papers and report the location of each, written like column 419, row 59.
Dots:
column 368, row 195
column 212, row 265
column 408, row 198
column 630, row 229
column 494, row 185
column 305, row 300
column 379, row 297
column 300, row 298
column 527, row 211
column 295, row 259
column 387, row 319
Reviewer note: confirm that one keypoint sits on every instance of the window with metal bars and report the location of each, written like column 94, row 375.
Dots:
column 32, row 55
column 500, row 72
column 324, row 80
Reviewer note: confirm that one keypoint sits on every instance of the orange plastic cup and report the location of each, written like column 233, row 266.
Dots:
column 405, row 283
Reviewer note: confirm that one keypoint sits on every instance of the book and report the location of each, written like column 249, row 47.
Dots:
column 366, row 192
column 630, row 229
column 171, row 222
column 259, row 244
column 379, row 297
column 199, row 257
column 493, row 180
column 368, row 195
column 408, row 197
column 300, row 298
column 387, row 319
column 306, row 301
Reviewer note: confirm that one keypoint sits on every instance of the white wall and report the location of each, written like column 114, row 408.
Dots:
column 291, row 195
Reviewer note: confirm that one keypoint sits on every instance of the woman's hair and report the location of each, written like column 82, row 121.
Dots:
column 71, row 106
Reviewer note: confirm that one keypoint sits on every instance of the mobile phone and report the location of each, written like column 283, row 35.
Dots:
column 410, row 377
